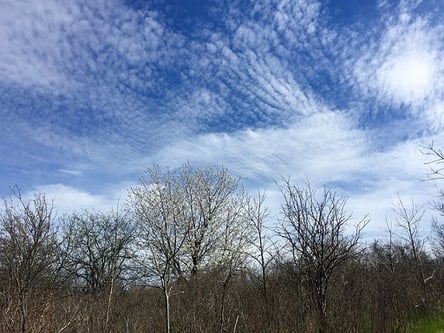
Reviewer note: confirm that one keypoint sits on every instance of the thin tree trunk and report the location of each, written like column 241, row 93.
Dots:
column 108, row 307
column 222, row 306
column 166, row 296
column 235, row 324
column 23, row 314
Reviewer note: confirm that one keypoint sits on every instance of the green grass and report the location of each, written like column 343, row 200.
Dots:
column 433, row 324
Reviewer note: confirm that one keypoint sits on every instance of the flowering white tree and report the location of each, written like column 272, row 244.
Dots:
column 157, row 204
column 190, row 220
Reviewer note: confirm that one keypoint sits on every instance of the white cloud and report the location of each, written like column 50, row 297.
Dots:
column 265, row 74
column 102, row 68
column 79, row 80
column 72, row 172
column 403, row 68
column 408, row 77
column 326, row 149
column 59, row 46
column 379, row 203
column 322, row 146
column 29, row 38
column 67, row 199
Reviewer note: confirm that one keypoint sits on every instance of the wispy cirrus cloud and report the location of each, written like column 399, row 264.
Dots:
column 326, row 149
column 323, row 146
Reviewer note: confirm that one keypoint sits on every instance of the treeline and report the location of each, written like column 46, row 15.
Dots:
column 190, row 251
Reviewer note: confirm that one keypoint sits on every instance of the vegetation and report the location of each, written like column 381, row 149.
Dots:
column 192, row 252
column 431, row 324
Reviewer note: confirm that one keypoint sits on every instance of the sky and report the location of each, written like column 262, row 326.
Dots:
column 342, row 93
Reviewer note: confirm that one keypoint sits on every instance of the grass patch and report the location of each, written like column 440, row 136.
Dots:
column 434, row 324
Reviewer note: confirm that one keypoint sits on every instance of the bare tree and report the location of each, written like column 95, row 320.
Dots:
column 235, row 242
column 408, row 220
column 28, row 247
column 97, row 248
column 436, row 174
column 261, row 253
column 438, row 244
column 386, row 260
column 314, row 228
column 436, row 161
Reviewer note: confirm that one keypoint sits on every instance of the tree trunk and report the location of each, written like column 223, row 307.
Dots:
column 23, row 314
column 166, row 296
column 108, row 306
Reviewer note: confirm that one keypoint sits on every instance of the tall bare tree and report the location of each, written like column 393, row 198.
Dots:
column 235, row 242
column 28, row 254
column 261, row 253
column 96, row 249
column 314, row 228
column 408, row 220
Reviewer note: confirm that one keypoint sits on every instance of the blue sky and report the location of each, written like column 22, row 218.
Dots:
column 341, row 92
